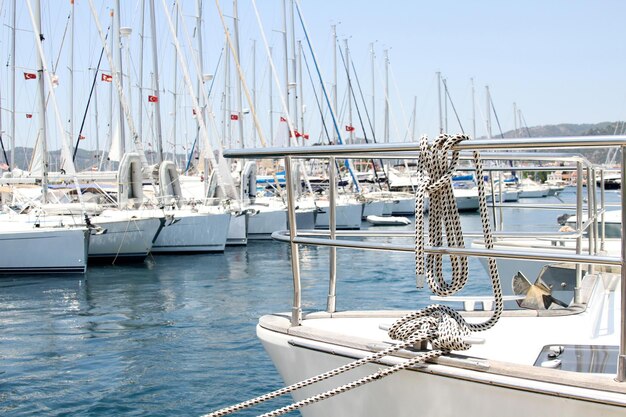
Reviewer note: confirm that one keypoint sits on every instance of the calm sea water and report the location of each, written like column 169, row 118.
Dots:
column 176, row 335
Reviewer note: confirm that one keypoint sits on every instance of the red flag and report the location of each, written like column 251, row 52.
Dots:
column 29, row 116
column 349, row 128
column 30, row 76
column 234, row 117
column 296, row 134
column 81, row 137
column 106, row 78
column 305, row 135
column 153, row 99
column 282, row 119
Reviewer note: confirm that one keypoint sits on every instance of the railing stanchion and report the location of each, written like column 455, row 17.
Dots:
column 579, row 223
column 296, row 310
column 621, row 363
column 332, row 225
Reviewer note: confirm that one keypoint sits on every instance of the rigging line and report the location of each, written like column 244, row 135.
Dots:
column 496, row 116
column 525, row 124
column 332, row 113
column 319, row 107
column 195, row 141
column 317, row 101
column 369, row 120
column 458, row 120
column 4, row 152
column 358, row 112
column 93, row 86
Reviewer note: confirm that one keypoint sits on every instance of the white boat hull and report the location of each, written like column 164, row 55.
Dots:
column 237, row 231
column 128, row 240
column 262, row 224
column 193, row 232
column 44, row 250
column 373, row 208
column 432, row 390
column 348, row 217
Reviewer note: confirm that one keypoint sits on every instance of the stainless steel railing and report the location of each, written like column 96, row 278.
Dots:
column 409, row 151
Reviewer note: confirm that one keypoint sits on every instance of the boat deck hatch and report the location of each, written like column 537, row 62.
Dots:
column 596, row 359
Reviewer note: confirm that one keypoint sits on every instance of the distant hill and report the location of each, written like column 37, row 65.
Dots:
column 597, row 156
column 86, row 159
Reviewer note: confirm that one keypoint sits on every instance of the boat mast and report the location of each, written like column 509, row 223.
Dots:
column 302, row 130
column 414, row 118
column 473, row 109
column 373, row 64
column 13, row 23
column 254, row 86
column 334, row 90
column 111, row 131
column 286, row 72
column 71, row 67
column 140, row 97
column 41, row 101
column 294, row 84
column 386, row 136
column 157, row 103
column 236, row 57
column 118, row 40
column 270, row 97
column 174, row 92
column 439, row 101
column 488, row 97
column 351, row 130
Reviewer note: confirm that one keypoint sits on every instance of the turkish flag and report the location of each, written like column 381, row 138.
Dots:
column 106, row 78
column 305, row 135
column 153, row 99
column 81, row 137
column 282, row 119
column 349, row 128
column 30, row 76
column 234, row 117
column 29, row 116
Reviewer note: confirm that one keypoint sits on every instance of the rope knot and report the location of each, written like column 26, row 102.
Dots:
column 442, row 326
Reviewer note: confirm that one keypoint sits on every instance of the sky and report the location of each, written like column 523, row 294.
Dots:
column 559, row 61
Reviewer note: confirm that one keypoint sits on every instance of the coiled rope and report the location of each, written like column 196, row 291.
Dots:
column 440, row 325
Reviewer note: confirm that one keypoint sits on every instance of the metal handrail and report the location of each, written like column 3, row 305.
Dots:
column 409, row 151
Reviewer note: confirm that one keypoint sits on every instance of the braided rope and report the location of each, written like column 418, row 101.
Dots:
column 440, row 325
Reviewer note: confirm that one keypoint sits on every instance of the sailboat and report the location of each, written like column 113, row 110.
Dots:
column 35, row 247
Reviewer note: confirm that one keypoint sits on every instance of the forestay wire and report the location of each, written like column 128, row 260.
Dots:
column 443, row 327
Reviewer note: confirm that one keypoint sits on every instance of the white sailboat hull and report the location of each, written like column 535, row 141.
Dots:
column 44, row 250
column 237, row 231
column 373, row 208
column 124, row 240
column 348, row 216
column 193, row 232
column 262, row 224
column 434, row 390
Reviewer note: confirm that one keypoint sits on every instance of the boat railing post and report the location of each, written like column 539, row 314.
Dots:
column 501, row 191
column 603, row 206
column 594, row 194
column 621, row 364
column 591, row 213
column 332, row 226
column 579, row 223
column 296, row 310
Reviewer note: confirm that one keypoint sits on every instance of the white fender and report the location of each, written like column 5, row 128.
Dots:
column 169, row 183
column 248, row 181
column 130, row 181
